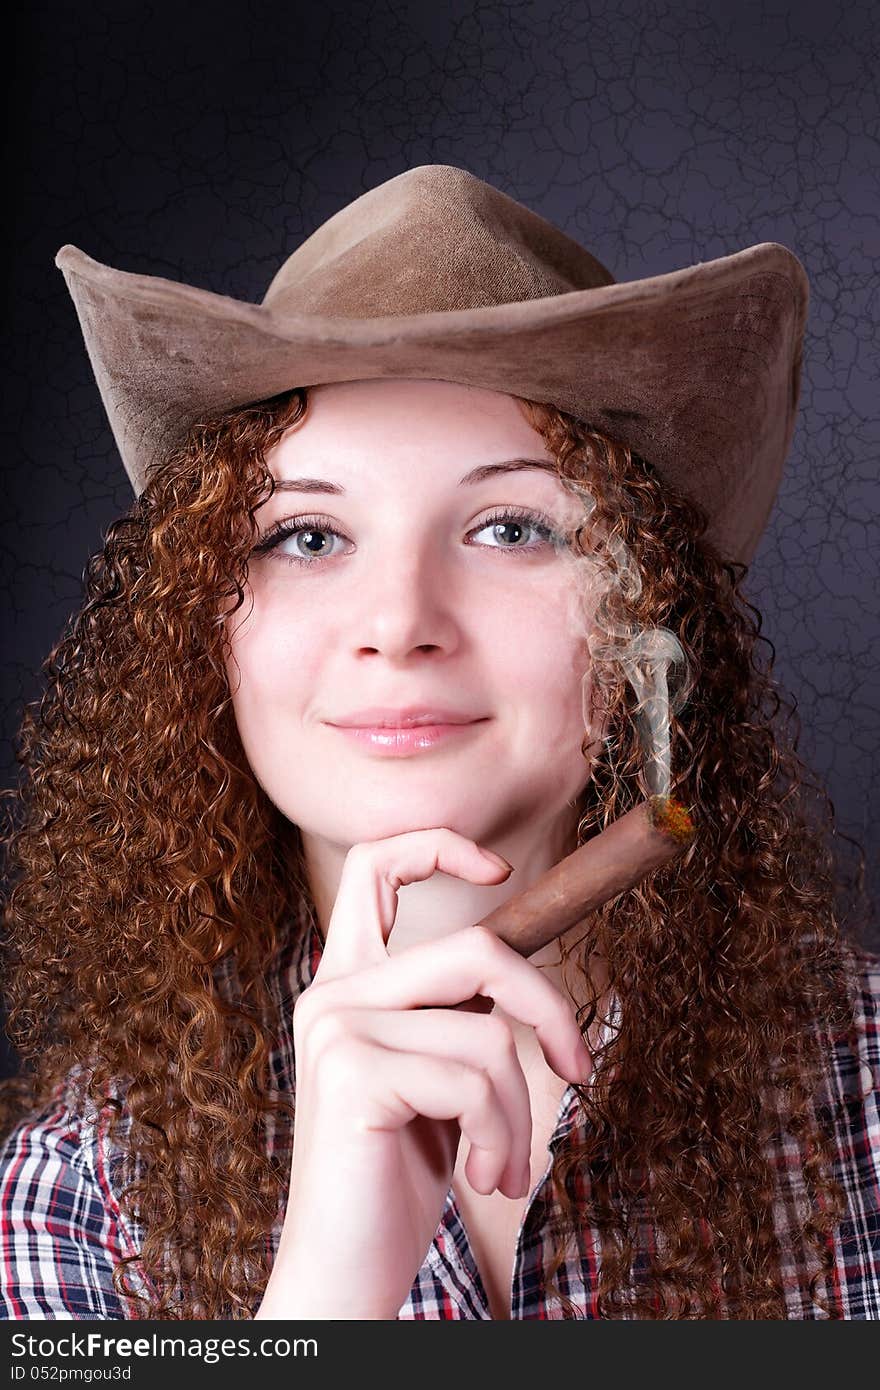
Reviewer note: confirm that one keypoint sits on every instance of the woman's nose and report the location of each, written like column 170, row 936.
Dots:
column 410, row 601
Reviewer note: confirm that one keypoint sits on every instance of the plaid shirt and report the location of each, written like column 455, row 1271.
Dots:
column 62, row 1232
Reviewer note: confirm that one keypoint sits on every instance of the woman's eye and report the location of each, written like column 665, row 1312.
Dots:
column 510, row 528
column 312, row 531
column 311, row 536
column 315, row 541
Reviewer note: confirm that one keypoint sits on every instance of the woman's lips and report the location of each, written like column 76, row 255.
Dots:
column 399, row 743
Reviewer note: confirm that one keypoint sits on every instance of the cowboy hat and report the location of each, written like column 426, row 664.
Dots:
column 436, row 274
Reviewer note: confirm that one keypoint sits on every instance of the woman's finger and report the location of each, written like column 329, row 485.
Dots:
column 366, row 902
column 483, row 1042
column 403, row 1085
column 452, row 969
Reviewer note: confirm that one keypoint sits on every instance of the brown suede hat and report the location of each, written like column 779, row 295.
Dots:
column 436, row 274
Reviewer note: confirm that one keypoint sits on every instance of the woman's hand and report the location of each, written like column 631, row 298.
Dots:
column 386, row 1073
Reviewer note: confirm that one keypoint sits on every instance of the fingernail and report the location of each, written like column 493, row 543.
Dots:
column 496, row 859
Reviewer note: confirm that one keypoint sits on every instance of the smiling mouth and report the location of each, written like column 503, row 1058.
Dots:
column 406, row 740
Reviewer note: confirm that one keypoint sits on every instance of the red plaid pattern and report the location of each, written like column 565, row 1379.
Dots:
column 62, row 1231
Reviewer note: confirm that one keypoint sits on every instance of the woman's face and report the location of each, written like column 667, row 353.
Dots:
column 406, row 593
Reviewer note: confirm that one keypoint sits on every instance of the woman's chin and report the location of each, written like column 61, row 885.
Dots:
column 383, row 828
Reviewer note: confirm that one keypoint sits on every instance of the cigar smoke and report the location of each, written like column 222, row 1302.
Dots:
column 644, row 655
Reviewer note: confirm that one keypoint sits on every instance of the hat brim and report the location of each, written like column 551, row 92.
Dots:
column 698, row 370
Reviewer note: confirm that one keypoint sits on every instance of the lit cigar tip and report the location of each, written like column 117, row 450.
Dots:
column 671, row 818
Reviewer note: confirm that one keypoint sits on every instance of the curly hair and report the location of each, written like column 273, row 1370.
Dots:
column 141, row 852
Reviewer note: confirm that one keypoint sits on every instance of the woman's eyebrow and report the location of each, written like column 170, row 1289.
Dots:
column 476, row 475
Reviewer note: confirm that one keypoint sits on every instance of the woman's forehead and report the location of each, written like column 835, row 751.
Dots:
column 361, row 427
column 420, row 407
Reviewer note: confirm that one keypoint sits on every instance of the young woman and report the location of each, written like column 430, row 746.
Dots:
column 434, row 572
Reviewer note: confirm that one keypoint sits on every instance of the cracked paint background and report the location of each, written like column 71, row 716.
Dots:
column 204, row 142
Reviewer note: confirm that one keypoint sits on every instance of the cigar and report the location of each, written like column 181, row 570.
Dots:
column 648, row 836
column 618, row 857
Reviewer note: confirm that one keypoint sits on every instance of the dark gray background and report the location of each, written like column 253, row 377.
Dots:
column 204, row 142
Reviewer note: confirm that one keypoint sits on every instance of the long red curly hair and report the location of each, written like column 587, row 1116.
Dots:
column 140, row 851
